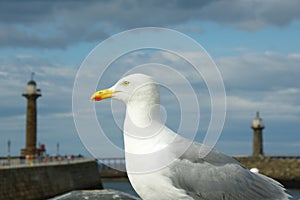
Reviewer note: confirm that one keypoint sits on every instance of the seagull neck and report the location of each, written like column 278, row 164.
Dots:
column 143, row 113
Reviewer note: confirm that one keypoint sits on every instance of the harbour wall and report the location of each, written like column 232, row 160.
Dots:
column 286, row 170
column 48, row 180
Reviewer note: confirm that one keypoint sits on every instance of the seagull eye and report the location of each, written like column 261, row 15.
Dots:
column 125, row 83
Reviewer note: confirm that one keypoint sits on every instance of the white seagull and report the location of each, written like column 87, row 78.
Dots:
column 162, row 165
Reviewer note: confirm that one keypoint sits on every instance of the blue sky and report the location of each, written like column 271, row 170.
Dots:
column 254, row 43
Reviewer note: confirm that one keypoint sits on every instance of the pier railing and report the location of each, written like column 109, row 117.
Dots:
column 112, row 163
column 39, row 161
column 112, row 168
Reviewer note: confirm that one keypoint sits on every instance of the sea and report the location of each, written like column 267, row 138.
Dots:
column 125, row 186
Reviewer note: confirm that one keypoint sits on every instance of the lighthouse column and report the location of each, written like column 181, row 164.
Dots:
column 257, row 127
column 31, row 94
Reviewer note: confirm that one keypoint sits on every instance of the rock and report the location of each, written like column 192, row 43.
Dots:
column 95, row 194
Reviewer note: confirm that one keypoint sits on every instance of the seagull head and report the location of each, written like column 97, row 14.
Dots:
column 131, row 88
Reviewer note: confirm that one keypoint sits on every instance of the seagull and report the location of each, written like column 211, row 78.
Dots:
column 163, row 165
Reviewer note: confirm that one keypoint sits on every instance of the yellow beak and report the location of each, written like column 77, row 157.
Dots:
column 102, row 94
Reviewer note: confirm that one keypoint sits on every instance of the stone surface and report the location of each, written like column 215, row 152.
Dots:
column 44, row 181
column 31, row 125
column 285, row 170
column 257, row 142
column 95, row 194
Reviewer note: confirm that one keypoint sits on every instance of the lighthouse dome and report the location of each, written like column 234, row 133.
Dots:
column 31, row 82
column 257, row 122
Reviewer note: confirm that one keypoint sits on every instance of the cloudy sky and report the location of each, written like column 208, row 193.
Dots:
column 255, row 45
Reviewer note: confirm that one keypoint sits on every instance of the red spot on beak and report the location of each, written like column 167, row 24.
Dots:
column 97, row 98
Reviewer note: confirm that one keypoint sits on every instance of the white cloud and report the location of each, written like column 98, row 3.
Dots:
column 67, row 23
column 3, row 73
column 62, row 115
column 260, row 71
column 294, row 56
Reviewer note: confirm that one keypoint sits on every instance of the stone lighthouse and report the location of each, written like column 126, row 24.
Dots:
column 31, row 94
column 257, row 127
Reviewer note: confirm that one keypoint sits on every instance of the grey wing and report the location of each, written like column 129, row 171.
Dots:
column 218, row 176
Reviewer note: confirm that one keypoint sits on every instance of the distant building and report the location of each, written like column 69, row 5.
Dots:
column 257, row 127
column 31, row 94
